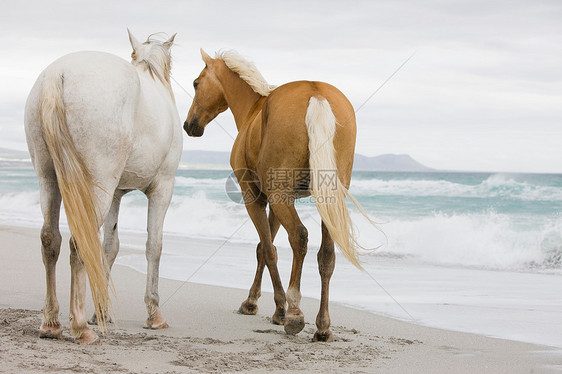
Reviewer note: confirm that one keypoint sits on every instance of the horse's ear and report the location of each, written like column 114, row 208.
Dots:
column 208, row 59
column 134, row 42
column 168, row 43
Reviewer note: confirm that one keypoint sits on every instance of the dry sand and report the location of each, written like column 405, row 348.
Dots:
column 206, row 335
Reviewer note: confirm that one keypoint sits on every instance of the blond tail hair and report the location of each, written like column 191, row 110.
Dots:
column 77, row 190
column 326, row 187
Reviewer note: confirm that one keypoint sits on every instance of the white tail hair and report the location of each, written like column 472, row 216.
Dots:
column 326, row 187
column 77, row 190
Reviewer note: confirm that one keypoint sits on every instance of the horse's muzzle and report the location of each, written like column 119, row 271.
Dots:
column 192, row 128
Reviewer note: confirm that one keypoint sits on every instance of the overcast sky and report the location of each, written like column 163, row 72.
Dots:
column 483, row 90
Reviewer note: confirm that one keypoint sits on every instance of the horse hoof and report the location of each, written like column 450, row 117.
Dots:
column 294, row 322
column 279, row 317
column 156, row 323
column 50, row 332
column 87, row 337
column 155, row 326
column 248, row 308
column 323, row 336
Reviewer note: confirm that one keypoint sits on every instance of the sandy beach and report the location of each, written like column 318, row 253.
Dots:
column 206, row 335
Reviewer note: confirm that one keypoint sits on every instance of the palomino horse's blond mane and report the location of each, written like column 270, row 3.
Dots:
column 247, row 71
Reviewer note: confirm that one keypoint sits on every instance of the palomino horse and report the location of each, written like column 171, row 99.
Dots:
column 98, row 127
column 293, row 141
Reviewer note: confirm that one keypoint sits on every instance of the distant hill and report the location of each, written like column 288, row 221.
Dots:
column 13, row 158
column 221, row 160
column 6, row 153
column 205, row 159
column 388, row 162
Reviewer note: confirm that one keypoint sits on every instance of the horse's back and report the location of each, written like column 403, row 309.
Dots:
column 296, row 95
column 285, row 135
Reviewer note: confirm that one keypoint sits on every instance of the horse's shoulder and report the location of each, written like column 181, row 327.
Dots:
column 237, row 155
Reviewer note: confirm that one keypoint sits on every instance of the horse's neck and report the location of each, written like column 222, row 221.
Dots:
column 240, row 97
column 159, row 80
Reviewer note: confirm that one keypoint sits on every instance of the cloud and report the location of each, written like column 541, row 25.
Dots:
column 485, row 79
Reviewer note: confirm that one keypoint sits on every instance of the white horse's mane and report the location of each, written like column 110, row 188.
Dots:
column 157, row 61
column 247, row 71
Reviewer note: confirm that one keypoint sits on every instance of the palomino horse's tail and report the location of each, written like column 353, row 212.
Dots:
column 326, row 187
column 77, row 190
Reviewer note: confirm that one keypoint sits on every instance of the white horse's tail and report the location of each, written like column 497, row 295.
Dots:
column 326, row 187
column 77, row 190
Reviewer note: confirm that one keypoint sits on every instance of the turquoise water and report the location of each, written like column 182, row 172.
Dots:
column 460, row 193
column 473, row 219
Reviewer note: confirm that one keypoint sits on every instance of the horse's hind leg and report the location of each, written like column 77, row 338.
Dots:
column 326, row 264
column 159, row 197
column 298, row 238
column 50, row 249
column 78, row 325
column 250, row 305
column 78, row 322
column 110, row 238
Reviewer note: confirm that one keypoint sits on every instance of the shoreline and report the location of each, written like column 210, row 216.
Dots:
column 207, row 335
column 463, row 299
column 497, row 323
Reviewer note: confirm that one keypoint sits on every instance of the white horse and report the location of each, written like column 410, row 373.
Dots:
column 98, row 127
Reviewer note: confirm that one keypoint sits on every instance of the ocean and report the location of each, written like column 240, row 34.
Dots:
column 475, row 252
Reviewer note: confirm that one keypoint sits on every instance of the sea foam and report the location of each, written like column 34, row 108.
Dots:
column 507, row 236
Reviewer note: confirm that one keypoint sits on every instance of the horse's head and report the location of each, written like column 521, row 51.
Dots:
column 153, row 55
column 209, row 100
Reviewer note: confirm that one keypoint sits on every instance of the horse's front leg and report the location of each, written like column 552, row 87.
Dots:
column 250, row 305
column 256, row 211
column 159, row 198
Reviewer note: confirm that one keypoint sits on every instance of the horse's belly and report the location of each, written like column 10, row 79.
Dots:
column 135, row 180
column 151, row 161
column 140, row 173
